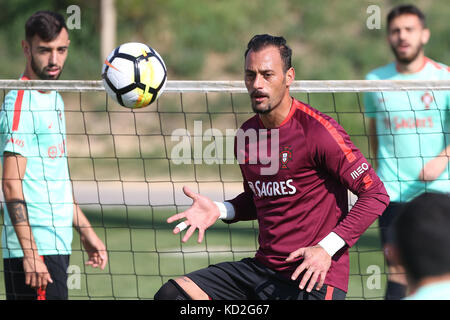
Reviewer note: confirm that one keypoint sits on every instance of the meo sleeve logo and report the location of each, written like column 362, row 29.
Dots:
column 285, row 156
column 359, row 171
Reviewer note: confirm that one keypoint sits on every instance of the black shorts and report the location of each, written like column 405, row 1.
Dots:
column 249, row 280
column 386, row 222
column 15, row 286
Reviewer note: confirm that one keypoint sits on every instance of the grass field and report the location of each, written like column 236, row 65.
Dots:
column 144, row 253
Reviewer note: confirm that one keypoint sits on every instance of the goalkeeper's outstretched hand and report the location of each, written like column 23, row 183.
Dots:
column 202, row 214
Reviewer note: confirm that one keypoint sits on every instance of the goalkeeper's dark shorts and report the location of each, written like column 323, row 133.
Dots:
column 15, row 286
column 249, row 280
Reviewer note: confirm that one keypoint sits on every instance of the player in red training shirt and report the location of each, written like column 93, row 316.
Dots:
column 297, row 164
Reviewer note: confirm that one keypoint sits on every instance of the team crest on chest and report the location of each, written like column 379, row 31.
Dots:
column 427, row 99
column 285, row 156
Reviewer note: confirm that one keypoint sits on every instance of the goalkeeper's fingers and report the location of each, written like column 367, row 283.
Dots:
column 295, row 254
column 189, row 233
column 180, row 227
column 176, row 217
column 191, row 194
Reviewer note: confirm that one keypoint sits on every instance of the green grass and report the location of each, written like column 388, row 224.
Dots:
column 143, row 254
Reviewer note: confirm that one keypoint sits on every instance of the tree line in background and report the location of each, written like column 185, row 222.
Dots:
column 205, row 40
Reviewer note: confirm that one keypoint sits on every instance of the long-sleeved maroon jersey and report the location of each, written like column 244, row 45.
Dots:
column 305, row 198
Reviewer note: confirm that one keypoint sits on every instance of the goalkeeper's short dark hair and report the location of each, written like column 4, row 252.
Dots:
column 422, row 236
column 406, row 9
column 46, row 24
column 262, row 41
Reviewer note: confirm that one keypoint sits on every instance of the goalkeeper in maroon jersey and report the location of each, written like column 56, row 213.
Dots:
column 297, row 165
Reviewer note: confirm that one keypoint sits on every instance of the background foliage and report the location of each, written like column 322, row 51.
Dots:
column 205, row 39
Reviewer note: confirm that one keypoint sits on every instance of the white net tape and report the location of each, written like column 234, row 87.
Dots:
column 238, row 86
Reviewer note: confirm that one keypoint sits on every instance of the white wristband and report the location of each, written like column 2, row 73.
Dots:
column 332, row 243
column 226, row 210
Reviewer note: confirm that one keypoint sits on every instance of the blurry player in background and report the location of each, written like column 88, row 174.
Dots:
column 408, row 129
column 305, row 228
column 425, row 255
column 40, row 211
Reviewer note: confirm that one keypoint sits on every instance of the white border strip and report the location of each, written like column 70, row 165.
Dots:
column 238, row 86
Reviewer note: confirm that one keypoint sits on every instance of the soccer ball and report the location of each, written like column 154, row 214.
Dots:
column 134, row 75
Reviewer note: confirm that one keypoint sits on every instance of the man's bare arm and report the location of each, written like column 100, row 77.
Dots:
column 36, row 273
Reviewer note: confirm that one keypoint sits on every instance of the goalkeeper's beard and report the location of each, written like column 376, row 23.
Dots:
column 257, row 106
column 267, row 110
